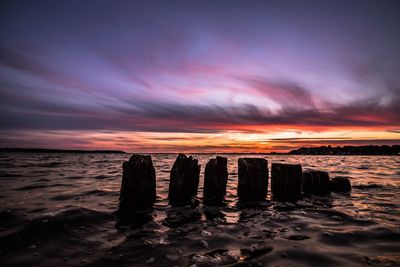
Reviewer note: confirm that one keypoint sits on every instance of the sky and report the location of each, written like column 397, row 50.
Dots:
column 199, row 76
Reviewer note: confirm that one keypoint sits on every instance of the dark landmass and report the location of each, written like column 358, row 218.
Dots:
column 369, row 150
column 348, row 150
column 46, row 150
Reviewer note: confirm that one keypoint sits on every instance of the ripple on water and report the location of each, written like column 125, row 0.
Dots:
column 31, row 187
column 74, row 177
column 100, row 177
column 326, row 231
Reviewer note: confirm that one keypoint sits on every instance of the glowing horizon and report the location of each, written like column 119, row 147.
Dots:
column 199, row 76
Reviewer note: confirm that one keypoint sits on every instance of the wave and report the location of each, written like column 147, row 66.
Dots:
column 100, row 177
column 49, row 164
column 31, row 187
column 368, row 186
column 28, row 231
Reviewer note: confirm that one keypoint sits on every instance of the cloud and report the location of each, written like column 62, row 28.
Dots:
column 168, row 117
column 25, row 62
column 155, row 49
column 23, row 109
column 282, row 92
column 307, row 139
column 393, row 131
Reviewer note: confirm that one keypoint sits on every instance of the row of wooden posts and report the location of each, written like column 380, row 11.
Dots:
column 288, row 182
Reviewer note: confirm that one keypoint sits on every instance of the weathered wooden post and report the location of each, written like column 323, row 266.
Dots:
column 184, row 181
column 340, row 184
column 253, row 179
column 138, row 188
column 215, row 179
column 315, row 182
column 286, row 181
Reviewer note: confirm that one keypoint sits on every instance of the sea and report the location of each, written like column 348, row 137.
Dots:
column 59, row 209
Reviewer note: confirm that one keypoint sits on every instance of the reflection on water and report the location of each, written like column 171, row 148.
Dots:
column 51, row 187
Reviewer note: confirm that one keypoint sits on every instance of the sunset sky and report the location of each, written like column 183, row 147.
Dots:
column 199, row 76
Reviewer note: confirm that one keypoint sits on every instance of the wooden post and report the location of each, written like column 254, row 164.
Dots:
column 138, row 188
column 340, row 184
column 253, row 179
column 286, row 181
column 184, row 181
column 215, row 179
column 315, row 182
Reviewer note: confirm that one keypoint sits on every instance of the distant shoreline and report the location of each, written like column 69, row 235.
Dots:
column 370, row 150
column 49, row 150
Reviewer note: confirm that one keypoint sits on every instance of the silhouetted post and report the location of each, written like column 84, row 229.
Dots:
column 340, row 184
column 138, row 188
column 184, row 181
column 315, row 182
column 286, row 181
column 253, row 179
column 215, row 179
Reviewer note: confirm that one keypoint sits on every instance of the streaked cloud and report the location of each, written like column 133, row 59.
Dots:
column 221, row 73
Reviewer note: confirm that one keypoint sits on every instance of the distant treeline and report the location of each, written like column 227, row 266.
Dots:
column 46, row 150
column 348, row 150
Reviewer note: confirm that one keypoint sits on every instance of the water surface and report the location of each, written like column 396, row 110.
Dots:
column 60, row 209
